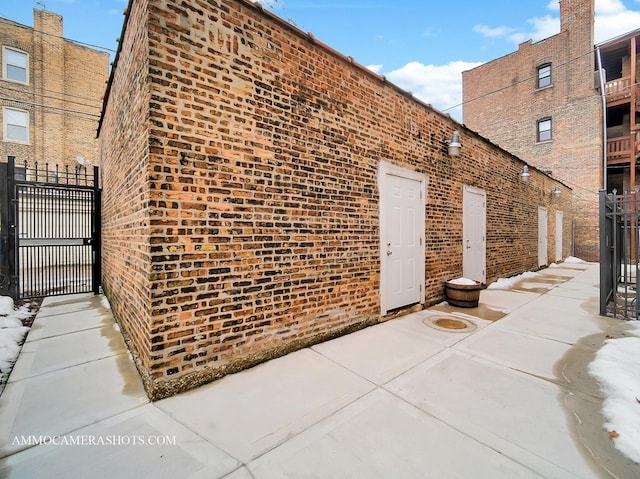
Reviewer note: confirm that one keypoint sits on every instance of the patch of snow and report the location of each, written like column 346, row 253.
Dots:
column 6, row 305
column 12, row 333
column 116, row 327
column 462, row 281
column 507, row 283
column 626, row 288
column 573, row 259
column 105, row 302
column 634, row 327
column 616, row 367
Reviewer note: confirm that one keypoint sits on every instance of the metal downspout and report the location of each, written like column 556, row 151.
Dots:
column 603, row 94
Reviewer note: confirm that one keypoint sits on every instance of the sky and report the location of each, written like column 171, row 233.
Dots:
column 421, row 46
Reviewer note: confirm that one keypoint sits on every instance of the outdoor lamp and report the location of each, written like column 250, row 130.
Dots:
column 454, row 144
column 556, row 190
column 525, row 173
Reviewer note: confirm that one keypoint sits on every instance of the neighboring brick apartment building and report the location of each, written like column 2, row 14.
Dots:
column 51, row 93
column 263, row 192
column 541, row 104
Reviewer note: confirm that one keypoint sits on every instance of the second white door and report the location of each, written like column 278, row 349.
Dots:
column 542, row 236
column 474, row 233
column 559, row 221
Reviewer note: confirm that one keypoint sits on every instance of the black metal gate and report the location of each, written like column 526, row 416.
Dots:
column 619, row 248
column 50, row 231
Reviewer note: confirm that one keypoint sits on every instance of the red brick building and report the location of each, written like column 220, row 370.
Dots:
column 263, row 192
column 543, row 103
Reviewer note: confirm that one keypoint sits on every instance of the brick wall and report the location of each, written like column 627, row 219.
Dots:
column 85, row 76
column 63, row 97
column 241, row 204
column 509, row 116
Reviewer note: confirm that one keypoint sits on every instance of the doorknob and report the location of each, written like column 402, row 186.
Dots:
column 389, row 253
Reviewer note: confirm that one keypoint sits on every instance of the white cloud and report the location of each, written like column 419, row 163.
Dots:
column 609, row 7
column 375, row 68
column 497, row 32
column 613, row 18
column 542, row 27
column 439, row 85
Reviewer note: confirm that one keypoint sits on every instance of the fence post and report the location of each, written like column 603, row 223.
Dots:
column 605, row 259
column 96, row 232
column 10, row 252
column 5, row 274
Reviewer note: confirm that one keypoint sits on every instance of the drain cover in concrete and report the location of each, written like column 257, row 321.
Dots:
column 450, row 324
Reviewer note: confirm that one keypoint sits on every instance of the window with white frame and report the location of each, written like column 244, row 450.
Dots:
column 15, row 125
column 544, row 75
column 544, row 130
column 15, row 65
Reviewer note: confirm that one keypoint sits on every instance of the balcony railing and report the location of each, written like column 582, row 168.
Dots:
column 619, row 150
column 618, row 89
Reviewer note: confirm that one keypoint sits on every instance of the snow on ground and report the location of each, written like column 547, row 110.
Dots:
column 12, row 333
column 574, row 260
column 105, row 302
column 507, row 283
column 616, row 367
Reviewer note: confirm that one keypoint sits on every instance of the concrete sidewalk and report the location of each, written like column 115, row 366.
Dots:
column 507, row 396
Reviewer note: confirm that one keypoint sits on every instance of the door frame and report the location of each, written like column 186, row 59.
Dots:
column 477, row 191
column 559, row 235
column 543, row 239
column 386, row 169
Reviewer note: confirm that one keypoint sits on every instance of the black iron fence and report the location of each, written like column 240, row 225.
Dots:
column 50, row 230
column 619, row 248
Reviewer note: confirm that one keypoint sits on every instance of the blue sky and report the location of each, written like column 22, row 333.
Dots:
column 422, row 46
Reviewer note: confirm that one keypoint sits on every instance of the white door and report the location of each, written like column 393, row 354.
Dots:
column 542, row 236
column 559, row 219
column 401, row 238
column 474, row 232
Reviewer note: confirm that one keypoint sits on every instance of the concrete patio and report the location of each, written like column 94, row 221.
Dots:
column 506, row 397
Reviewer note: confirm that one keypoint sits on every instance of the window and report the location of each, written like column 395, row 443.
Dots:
column 544, row 129
column 16, row 125
column 15, row 65
column 544, row 75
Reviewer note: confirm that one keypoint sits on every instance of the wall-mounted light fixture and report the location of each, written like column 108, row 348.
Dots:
column 556, row 191
column 454, row 144
column 525, row 173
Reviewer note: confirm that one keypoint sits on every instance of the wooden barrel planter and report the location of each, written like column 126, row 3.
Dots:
column 462, row 295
